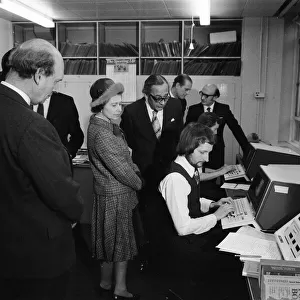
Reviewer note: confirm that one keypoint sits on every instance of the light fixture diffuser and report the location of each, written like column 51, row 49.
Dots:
column 26, row 12
column 204, row 12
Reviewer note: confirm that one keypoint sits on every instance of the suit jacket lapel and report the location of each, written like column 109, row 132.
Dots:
column 50, row 110
column 215, row 107
column 144, row 122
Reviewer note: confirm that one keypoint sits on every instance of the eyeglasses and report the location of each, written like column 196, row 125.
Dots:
column 205, row 95
column 160, row 99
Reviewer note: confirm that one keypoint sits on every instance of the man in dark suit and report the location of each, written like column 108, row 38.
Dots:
column 208, row 95
column 39, row 199
column 62, row 113
column 152, row 127
column 181, row 87
column 156, row 111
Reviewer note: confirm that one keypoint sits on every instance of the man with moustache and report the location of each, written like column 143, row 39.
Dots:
column 208, row 96
column 152, row 127
column 190, row 234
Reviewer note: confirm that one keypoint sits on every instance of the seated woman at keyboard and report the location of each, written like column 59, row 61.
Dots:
column 195, row 234
column 210, row 188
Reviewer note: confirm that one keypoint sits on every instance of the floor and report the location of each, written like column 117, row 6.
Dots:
column 151, row 284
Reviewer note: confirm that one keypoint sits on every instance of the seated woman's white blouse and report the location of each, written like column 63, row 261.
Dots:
column 175, row 190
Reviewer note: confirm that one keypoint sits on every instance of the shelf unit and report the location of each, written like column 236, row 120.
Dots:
column 159, row 46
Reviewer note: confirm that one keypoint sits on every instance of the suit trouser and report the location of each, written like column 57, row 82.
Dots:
column 35, row 288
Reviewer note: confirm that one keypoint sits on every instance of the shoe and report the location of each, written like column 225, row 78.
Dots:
column 134, row 297
column 103, row 291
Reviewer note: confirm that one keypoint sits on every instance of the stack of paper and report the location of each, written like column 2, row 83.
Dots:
column 251, row 244
column 235, row 186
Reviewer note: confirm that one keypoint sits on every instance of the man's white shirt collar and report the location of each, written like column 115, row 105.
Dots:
column 21, row 93
column 181, row 160
column 211, row 107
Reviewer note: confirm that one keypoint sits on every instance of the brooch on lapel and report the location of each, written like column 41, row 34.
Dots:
column 172, row 120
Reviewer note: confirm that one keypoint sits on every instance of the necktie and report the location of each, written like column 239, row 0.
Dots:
column 156, row 125
column 208, row 109
column 197, row 176
column 40, row 109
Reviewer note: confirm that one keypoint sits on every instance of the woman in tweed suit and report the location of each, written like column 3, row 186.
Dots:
column 116, row 181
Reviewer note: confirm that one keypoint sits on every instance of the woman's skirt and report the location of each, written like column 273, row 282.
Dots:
column 113, row 237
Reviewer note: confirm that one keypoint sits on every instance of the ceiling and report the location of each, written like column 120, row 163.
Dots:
column 61, row 10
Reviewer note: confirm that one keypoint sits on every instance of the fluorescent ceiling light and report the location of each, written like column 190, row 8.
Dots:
column 26, row 12
column 204, row 12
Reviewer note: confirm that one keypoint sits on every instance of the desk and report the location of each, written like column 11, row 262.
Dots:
column 253, row 287
column 252, row 283
column 84, row 176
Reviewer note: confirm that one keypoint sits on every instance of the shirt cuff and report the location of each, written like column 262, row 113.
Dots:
column 205, row 204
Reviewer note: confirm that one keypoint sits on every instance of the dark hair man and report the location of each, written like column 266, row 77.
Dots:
column 181, row 87
column 180, row 187
column 39, row 199
column 208, row 96
column 152, row 127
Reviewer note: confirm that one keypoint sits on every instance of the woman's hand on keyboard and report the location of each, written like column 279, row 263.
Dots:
column 223, row 211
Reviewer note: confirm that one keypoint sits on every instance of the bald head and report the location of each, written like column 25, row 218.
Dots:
column 209, row 94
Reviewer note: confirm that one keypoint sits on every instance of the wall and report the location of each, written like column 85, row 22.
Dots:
column 262, row 54
column 6, row 36
column 289, row 74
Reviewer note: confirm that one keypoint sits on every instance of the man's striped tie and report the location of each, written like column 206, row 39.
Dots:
column 156, row 125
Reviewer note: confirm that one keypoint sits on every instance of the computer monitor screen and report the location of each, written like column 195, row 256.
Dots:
column 257, row 189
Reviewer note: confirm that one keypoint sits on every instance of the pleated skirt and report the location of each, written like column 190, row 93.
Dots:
column 113, row 237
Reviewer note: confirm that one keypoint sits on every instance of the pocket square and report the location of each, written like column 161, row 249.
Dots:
column 172, row 120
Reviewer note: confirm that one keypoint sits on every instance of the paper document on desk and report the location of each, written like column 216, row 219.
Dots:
column 250, row 231
column 235, row 186
column 248, row 245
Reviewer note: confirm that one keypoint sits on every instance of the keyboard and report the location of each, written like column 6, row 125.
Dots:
column 237, row 172
column 242, row 215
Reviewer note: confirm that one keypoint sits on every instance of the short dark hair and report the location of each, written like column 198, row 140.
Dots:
column 217, row 93
column 208, row 119
column 27, row 61
column 5, row 63
column 192, row 136
column 153, row 80
column 181, row 79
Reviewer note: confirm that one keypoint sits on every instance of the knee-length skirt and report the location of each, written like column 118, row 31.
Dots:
column 113, row 237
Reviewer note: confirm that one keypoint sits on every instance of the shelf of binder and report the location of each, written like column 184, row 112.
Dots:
column 171, row 49
column 118, row 50
column 68, row 49
column 168, row 67
column 160, row 57
column 221, row 50
column 80, row 66
column 212, row 67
